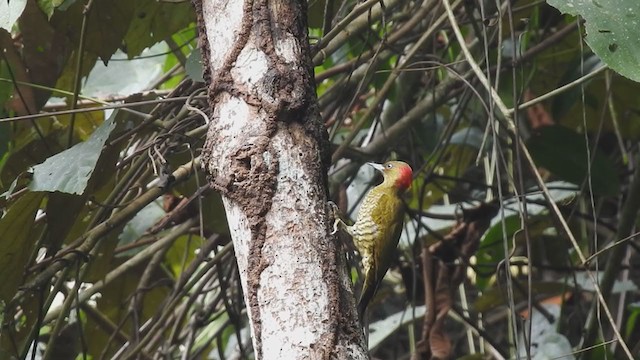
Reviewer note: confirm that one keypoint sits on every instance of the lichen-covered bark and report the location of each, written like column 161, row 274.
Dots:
column 266, row 152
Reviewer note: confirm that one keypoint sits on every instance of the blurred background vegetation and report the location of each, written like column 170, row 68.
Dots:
column 113, row 246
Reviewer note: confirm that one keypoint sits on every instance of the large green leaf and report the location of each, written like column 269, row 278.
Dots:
column 70, row 170
column 563, row 152
column 16, row 243
column 612, row 31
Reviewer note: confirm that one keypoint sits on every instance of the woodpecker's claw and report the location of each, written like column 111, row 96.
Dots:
column 335, row 227
column 335, row 212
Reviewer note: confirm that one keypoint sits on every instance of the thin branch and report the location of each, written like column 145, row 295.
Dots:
column 78, row 73
column 106, row 107
column 559, row 90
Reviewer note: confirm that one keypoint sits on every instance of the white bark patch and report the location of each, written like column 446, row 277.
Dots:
column 251, row 66
column 287, row 48
column 233, row 115
column 224, row 20
column 236, row 124
column 293, row 277
column 239, row 227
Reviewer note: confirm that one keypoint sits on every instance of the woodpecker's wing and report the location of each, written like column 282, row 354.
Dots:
column 390, row 219
column 388, row 215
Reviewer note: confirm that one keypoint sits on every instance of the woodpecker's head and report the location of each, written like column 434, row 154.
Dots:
column 397, row 174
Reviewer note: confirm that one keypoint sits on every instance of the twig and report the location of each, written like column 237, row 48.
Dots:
column 78, row 73
column 106, row 107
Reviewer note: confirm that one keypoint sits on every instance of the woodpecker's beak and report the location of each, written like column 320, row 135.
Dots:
column 376, row 166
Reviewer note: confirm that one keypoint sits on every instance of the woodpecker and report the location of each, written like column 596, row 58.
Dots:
column 378, row 226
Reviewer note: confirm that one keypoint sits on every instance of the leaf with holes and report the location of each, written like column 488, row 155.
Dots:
column 612, row 31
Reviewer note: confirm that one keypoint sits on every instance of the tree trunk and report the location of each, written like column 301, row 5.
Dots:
column 266, row 152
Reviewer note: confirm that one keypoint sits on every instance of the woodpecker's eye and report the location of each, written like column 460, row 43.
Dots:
column 389, row 166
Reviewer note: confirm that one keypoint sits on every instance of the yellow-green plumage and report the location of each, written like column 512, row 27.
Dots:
column 378, row 226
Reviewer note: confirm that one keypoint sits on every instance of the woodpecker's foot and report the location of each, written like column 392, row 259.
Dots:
column 335, row 213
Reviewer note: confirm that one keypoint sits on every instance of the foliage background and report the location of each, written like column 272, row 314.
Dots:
column 112, row 245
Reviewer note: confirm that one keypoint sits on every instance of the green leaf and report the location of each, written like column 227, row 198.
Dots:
column 182, row 252
column 16, row 242
column 48, row 6
column 170, row 61
column 193, row 67
column 155, row 21
column 612, row 31
column 491, row 250
column 563, row 152
column 70, row 170
column 210, row 331
column 137, row 226
column 634, row 312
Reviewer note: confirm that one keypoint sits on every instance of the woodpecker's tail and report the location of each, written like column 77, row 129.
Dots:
column 369, row 289
column 362, row 307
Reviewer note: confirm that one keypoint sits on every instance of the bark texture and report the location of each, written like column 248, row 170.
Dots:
column 266, row 152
